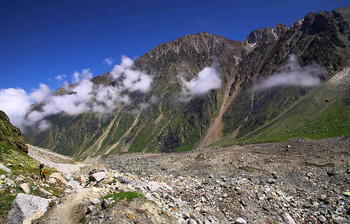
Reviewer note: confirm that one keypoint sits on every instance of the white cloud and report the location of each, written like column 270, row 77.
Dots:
column 292, row 74
column 207, row 79
column 40, row 94
column 130, row 79
column 120, row 69
column 15, row 103
column 108, row 61
column 85, row 96
column 84, row 74
column 60, row 77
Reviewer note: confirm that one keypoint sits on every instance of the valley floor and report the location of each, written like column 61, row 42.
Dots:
column 297, row 181
column 304, row 180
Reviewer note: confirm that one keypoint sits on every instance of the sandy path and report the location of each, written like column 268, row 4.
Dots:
column 61, row 163
column 68, row 211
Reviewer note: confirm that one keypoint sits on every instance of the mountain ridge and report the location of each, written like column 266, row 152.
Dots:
column 168, row 119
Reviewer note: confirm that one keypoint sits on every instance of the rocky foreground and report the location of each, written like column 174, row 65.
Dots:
column 298, row 181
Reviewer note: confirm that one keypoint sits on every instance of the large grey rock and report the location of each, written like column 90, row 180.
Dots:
column 26, row 208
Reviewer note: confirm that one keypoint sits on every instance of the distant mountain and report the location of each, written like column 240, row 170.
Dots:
column 10, row 136
column 253, row 90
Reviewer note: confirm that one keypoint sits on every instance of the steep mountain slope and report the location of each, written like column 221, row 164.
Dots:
column 160, row 120
column 321, row 38
column 323, row 113
column 170, row 117
column 10, row 136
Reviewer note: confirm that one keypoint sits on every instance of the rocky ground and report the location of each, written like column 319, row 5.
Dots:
column 297, row 181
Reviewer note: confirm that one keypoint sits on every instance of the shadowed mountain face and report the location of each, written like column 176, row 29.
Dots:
column 10, row 136
column 176, row 115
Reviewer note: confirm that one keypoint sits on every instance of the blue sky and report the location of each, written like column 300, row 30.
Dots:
column 43, row 39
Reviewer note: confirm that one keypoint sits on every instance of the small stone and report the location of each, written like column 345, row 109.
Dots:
column 192, row 221
column 240, row 221
column 322, row 219
column 105, row 204
column 34, row 176
column 340, row 220
column 347, row 193
column 4, row 168
column 271, row 181
column 44, row 192
column 238, row 190
column 274, row 175
column 186, row 215
column 260, row 196
column 287, row 218
column 243, row 202
column 331, row 173
column 124, row 180
column 95, row 201
column 52, row 203
column 21, row 165
column 130, row 215
column 90, row 209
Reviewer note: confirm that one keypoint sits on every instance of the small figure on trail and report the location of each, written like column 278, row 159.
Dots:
column 42, row 172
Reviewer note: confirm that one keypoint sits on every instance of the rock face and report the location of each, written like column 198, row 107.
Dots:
column 26, row 208
column 163, row 121
column 10, row 135
column 265, row 35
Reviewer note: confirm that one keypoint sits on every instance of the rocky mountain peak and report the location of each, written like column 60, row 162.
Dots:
column 188, row 45
column 197, row 49
column 265, row 35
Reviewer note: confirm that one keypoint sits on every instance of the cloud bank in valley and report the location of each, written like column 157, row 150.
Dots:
column 207, row 79
column 84, row 96
column 292, row 74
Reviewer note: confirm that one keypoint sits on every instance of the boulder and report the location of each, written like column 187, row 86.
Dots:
column 25, row 188
column 59, row 177
column 26, row 208
column 97, row 176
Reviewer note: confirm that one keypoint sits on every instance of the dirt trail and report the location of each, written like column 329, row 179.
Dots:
column 68, row 211
column 61, row 163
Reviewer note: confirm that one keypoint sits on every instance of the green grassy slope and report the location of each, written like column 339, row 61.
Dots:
column 323, row 113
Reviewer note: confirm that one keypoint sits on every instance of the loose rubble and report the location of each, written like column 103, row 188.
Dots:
column 307, row 183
